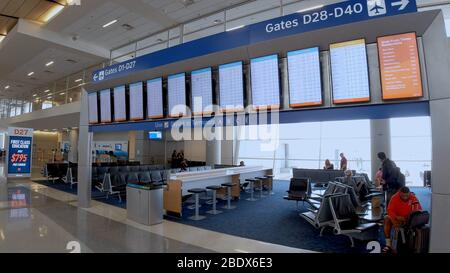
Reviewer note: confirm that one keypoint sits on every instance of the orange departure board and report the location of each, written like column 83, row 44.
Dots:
column 399, row 66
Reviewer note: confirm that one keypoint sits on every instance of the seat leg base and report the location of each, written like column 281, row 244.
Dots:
column 197, row 217
column 214, row 212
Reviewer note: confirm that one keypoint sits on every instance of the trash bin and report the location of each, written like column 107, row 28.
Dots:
column 145, row 203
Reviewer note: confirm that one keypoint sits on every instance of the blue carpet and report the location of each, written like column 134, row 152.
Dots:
column 275, row 220
column 96, row 194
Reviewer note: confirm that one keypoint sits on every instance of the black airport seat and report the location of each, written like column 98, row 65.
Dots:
column 132, row 178
column 156, row 176
column 144, row 177
column 114, row 169
column 134, row 168
column 124, row 169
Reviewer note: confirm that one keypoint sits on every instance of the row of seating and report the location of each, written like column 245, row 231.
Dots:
column 339, row 206
column 338, row 211
column 118, row 163
column 191, row 169
column 115, row 183
column 317, row 176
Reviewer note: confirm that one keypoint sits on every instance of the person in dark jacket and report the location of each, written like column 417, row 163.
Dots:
column 390, row 176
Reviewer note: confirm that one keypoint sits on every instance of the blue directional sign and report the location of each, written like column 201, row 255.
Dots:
column 328, row 16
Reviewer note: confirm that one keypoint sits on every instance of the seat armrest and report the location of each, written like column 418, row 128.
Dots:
column 370, row 195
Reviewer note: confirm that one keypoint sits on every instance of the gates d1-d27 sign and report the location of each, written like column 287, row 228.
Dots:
column 20, row 141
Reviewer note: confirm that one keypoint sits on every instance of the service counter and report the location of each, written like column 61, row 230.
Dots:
column 179, row 184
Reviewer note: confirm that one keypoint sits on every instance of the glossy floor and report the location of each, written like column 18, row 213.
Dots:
column 35, row 218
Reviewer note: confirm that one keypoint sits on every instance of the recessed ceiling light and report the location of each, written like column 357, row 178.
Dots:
column 30, row 74
column 49, row 97
column 127, row 27
column 234, row 28
column 52, row 12
column 217, row 21
column 110, row 23
column 310, row 8
column 49, row 63
column 34, row 95
column 78, row 80
column 7, row 87
column 62, row 93
column 46, row 91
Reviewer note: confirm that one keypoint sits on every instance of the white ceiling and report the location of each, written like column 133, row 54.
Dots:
column 145, row 16
column 20, row 55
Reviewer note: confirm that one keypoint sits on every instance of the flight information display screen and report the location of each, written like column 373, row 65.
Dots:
column 177, row 95
column 120, row 108
column 93, row 108
column 349, row 71
column 265, row 82
column 231, row 87
column 305, row 83
column 155, row 98
column 202, row 94
column 105, row 105
column 136, row 101
column 399, row 66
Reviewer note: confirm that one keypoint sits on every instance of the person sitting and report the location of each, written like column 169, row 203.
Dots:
column 379, row 179
column 402, row 204
column 328, row 165
column 348, row 180
column 242, row 164
column 173, row 162
column 184, row 165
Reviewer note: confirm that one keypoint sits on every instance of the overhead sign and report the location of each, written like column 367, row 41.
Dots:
column 20, row 141
column 345, row 12
column 399, row 66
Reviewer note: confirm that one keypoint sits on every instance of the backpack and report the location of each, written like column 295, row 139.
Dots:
column 398, row 179
column 401, row 179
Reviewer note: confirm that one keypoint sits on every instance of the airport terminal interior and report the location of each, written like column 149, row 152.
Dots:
column 230, row 126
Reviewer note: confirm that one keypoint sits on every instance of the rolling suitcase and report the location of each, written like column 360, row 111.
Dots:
column 418, row 240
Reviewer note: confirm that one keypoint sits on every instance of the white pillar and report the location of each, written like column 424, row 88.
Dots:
column 73, row 138
column 440, row 176
column 227, row 153
column 380, row 141
column 85, row 155
column 214, row 148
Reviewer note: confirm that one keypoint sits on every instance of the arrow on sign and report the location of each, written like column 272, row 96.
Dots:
column 95, row 77
column 402, row 4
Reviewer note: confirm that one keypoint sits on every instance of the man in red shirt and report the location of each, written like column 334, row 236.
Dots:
column 400, row 207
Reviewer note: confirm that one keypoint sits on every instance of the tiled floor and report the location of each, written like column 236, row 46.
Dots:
column 42, row 219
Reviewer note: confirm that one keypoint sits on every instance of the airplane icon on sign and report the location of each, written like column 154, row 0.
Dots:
column 377, row 9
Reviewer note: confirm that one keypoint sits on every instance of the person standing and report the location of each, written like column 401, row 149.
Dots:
column 391, row 176
column 343, row 162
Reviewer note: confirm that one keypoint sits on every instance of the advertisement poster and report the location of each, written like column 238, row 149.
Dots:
column 20, row 141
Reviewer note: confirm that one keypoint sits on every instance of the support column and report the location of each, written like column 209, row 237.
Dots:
column 73, row 138
column 139, row 147
column 440, row 176
column 227, row 153
column 85, row 155
column 214, row 148
column 380, row 141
